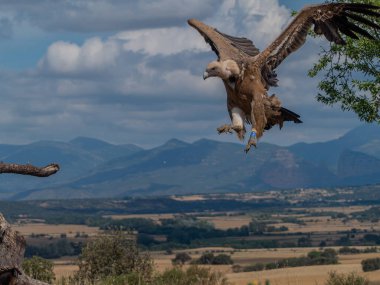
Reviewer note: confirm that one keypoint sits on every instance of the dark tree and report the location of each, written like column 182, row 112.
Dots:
column 113, row 254
column 371, row 264
column 181, row 258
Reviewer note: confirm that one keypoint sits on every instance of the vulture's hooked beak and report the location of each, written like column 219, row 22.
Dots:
column 205, row 75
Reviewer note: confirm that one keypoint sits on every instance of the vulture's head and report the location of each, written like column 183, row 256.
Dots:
column 223, row 69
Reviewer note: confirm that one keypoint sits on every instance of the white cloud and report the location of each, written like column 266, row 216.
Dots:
column 260, row 21
column 61, row 57
column 264, row 22
column 164, row 41
column 255, row 19
column 94, row 55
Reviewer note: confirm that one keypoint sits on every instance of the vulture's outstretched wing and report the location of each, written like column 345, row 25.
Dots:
column 331, row 20
column 225, row 46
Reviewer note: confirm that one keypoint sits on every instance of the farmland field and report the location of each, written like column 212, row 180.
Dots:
column 54, row 230
column 326, row 224
column 310, row 275
column 154, row 217
column 227, row 222
column 253, row 228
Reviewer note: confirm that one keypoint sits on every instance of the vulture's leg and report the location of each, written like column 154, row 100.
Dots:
column 237, row 124
column 238, row 116
column 252, row 140
column 253, row 136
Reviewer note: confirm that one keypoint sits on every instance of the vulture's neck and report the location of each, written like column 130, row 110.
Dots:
column 231, row 72
column 231, row 68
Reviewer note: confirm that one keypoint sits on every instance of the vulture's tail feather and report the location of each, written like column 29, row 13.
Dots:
column 288, row 115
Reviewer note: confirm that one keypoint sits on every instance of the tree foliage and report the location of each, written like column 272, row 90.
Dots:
column 39, row 268
column 209, row 258
column 113, row 254
column 351, row 73
column 181, row 258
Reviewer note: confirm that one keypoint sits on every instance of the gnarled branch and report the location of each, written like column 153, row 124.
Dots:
column 29, row 169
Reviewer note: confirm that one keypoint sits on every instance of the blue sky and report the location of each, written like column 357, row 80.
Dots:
column 131, row 71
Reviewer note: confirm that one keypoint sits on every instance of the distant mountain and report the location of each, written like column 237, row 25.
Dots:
column 355, row 168
column 76, row 159
column 93, row 168
column 102, row 149
column 365, row 138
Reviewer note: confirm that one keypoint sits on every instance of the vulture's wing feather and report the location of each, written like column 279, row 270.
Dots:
column 330, row 20
column 225, row 46
column 242, row 44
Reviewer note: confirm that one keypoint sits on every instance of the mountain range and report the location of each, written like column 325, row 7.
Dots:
column 92, row 168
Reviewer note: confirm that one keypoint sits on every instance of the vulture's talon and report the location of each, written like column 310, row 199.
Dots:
column 251, row 142
column 224, row 129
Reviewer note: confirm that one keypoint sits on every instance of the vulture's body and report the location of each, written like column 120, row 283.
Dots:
column 248, row 74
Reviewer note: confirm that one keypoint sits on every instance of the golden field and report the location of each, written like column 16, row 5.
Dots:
column 307, row 275
column 326, row 224
column 226, row 222
column 54, row 230
column 154, row 217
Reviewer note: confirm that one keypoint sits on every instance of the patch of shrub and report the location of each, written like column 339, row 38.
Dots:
column 181, row 258
column 254, row 267
column 211, row 259
column 348, row 250
column 328, row 256
column 194, row 275
column 237, row 268
column 346, row 279
column 371, row 264
column 39, row 269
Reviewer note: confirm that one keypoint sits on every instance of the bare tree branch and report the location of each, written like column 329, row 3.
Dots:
column 29, row 169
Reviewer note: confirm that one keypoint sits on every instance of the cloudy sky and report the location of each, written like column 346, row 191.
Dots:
column 131, row 71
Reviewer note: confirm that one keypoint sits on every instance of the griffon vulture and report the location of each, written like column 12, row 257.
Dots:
column 248, row 73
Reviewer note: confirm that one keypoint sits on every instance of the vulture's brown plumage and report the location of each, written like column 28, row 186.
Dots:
column 248, row 73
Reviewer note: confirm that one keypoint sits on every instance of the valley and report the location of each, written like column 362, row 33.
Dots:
column 251, row 228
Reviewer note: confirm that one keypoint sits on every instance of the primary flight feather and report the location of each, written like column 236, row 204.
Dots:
column 247, row 73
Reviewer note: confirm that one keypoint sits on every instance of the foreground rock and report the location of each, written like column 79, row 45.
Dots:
column 12, row 249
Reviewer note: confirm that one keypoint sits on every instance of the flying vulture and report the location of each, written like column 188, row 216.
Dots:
column 248, row 74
